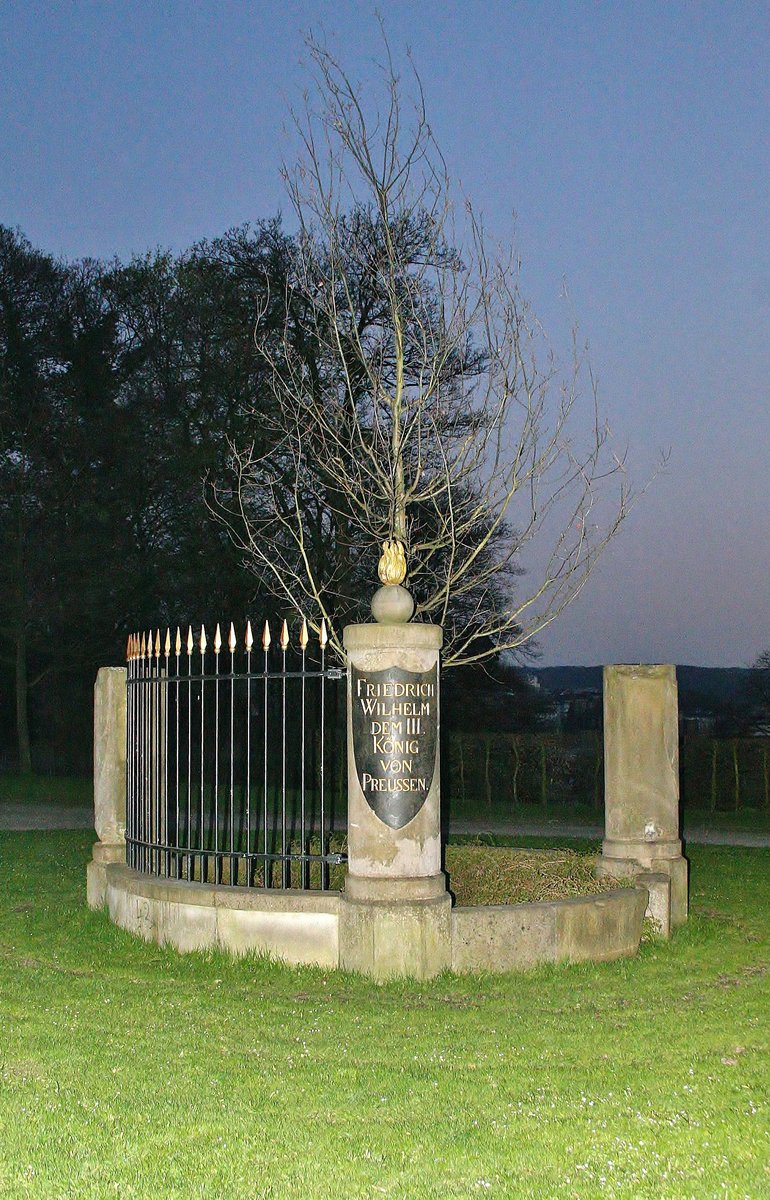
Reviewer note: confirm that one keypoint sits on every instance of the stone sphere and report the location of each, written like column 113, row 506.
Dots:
column 392, row 605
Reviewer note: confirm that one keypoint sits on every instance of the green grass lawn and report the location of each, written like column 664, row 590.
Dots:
column 131, row 1071
column 46, row 789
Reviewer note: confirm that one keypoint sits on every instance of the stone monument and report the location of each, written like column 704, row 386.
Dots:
column 395, row 915
column 109, row 779
column 641, row 781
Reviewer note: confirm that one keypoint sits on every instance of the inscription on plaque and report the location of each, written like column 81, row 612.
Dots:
column 395, row 727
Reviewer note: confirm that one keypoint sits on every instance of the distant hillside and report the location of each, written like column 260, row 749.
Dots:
column 567, row 679
column 705, row 687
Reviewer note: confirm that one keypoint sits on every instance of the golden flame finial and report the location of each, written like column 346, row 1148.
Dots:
column 392, row 565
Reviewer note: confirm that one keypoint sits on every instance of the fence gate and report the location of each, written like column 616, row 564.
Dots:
column 229, row 758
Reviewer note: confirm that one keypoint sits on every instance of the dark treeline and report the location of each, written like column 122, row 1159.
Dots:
column 124, row 388
column 121, row 386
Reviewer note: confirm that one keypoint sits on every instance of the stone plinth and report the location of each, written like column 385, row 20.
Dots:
column 395, row 914
column 109, row 778
column 641, row 778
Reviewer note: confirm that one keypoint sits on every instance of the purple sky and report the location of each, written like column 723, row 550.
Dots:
column 631, row 142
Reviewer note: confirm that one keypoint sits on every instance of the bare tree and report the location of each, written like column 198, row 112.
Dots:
column 406, row 397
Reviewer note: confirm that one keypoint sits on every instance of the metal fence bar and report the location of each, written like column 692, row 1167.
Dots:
column 249, row 864
column 266, row 879
column 322, row 757
column 303, row 866
column 284, row 863
column 192, row 811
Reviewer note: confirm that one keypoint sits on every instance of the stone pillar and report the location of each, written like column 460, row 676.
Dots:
column 109, row 778
column 395, row 912
column 641, row 778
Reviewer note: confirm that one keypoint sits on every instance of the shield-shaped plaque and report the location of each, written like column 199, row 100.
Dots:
column 395, row 727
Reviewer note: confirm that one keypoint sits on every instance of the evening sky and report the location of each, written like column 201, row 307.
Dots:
column 623, row 146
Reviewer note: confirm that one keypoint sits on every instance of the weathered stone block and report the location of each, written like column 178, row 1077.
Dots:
column 658, row 909
column 600, row 928
column 504, row 937
column 299, row 927
column 641, row 767
column 516, row 937
column 678, row 870
column 110, row 754
column 96, row 877
column 384, row 939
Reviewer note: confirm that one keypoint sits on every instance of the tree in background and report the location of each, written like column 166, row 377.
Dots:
column 190, row 383
column 758, row 696
column 56, row 356
column 406, row 398
column 119, row 389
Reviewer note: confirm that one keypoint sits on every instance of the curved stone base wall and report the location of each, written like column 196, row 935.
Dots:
column 304, row 927
column 513, row 937
column 298, row 927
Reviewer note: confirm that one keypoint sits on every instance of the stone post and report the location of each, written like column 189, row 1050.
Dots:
column 395, row 916
column 109, row 779
column 641, row 778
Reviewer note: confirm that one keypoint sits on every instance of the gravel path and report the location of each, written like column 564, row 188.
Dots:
column 51, row 816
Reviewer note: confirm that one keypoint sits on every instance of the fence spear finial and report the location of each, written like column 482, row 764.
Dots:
column 203, row 643
column 303, row 635
column 231, row 639
column 217, row 639
column 149, row 644
column 157, row 643
column 141, row 647
column 284, row 635
column 249, row 637
column 190, row 641
column 178, row 643
column 266, row 636
column 323, row 635
column 167, row 643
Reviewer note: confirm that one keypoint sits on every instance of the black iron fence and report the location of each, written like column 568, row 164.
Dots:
column 229, row 755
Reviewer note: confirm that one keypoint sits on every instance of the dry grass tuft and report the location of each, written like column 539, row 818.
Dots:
column 480, row 874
